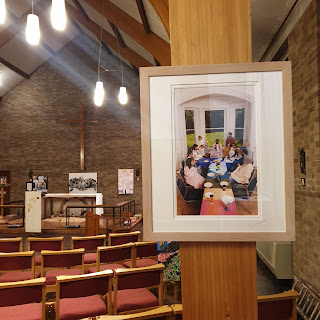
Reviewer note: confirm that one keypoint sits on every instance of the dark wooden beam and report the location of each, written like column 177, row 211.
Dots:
column 156, row 62
column 158, row 47
column 14, row 68
column 143, row 16
column 80, row 8
column 117, row 34
column 108, row 38
column 162, row 8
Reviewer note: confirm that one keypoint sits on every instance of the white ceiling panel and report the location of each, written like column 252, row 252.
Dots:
column 135, row 46
column 8, row 79
column 19, row 7
column 22, row 55
column 155, row 23
column 96, row 17
column 266, row 18
column 53, row 38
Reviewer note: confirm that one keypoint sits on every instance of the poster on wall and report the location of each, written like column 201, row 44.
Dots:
column 83, row 183
column 125, row 181
column 40, row 183
column 218, row 152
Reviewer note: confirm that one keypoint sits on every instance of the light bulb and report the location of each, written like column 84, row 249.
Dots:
column 33, row 29
column 58, row 15
column 98, row 94
column 3, row 11
column 123, row 97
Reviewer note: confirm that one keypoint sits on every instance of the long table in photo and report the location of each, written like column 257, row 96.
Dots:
column 217, row 173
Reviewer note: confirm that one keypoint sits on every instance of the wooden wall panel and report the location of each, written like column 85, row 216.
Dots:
column 210, row 31
column 219, row 280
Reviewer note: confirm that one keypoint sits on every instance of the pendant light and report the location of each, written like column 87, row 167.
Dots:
column 99, row 91
column 123, row 97
column 3, row 11
column 58, row 15
column 33, row 29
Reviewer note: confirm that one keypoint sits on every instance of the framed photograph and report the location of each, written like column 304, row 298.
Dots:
column 83, row 183
column 29, row 186
column 217, row 152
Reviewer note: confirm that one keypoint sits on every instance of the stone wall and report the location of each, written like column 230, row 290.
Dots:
column 304, row 52
column 35, row 134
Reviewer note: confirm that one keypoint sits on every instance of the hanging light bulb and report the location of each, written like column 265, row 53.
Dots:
column 3, row 11
column 33, row 29
column 123, row 97
column 58, row 14
column 99, row 94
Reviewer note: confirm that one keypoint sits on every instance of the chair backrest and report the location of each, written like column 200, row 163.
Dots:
column 122, row 238
column 147, row 249
column 90, row 243
column 281, row 306
column 11, row 244
column 61, row 259
column 181, row 171
column 113, row 254
column 22, row 292
column 252, row 181
column 39, row 244
column 17, row 261
column 85, row 285
column 182, row 187
column 135, row 278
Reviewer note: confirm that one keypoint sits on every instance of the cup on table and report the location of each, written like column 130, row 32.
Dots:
column 211, row 198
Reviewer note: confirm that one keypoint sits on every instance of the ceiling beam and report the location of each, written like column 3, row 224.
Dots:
column 143, row 16
column 109, row 39
column 106, row 48
column 17, row 25
column 158, row 47
column 14, row 68
column 162, row 8
column 117, row 33
column 156, row 62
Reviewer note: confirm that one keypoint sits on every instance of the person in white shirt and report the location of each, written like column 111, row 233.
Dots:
column 200, row 141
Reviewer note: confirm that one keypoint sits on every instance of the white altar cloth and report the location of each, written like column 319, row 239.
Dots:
column 97, row 196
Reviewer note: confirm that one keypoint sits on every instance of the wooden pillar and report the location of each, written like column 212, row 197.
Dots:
column 219, row 280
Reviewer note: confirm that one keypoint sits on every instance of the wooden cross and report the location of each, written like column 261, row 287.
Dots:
column 82, row 121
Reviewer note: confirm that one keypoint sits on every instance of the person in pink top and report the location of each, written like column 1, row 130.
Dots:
column 192, row 176
column 243, row 173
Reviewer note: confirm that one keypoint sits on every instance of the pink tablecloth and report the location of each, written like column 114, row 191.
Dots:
column 217, row 208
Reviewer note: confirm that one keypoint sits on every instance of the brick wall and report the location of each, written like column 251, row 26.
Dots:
column 35, row 135
column 304, row 52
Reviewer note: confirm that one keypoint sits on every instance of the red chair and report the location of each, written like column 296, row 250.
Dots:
column 79, row 296
column 17, row 266
column 39, row 244
column 146, row 254
column 24, row 300
column 60, row 263
column 130, row 293
column 115, row 239
column 110, row 258
column 89, row 244
column 11, row 245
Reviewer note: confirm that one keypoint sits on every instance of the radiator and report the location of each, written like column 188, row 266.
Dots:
column 278, row 257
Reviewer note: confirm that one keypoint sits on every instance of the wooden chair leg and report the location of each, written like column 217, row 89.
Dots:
column 165, row 291
column 175, row 290
column 248, row 201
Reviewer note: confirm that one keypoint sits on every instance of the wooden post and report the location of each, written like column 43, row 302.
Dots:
column 219, row 280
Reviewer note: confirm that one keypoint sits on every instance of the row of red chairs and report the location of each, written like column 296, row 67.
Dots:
column 106, row 292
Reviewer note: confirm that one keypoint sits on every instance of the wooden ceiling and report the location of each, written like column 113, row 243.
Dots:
column 137, row 31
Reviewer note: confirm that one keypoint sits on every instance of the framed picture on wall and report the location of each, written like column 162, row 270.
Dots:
column 217, row 152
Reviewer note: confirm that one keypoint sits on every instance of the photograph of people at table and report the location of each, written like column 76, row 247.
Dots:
column 215, row 141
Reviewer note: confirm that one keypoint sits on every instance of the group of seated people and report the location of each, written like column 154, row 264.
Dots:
column 239, row 172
